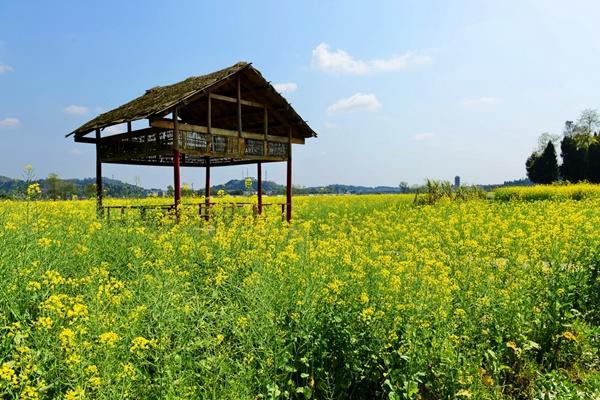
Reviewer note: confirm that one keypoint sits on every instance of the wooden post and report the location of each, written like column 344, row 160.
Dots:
column 266, row 133
column 209, row 144
column 239, row 105
column 99, row 188
column 207, row 189
column 239, row 114
column 259, row 186
column 207, row 181
column 288, row 189
column 176, row 161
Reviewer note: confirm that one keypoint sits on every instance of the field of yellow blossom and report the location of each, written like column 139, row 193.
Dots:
column 549, row 192
column 359, row 297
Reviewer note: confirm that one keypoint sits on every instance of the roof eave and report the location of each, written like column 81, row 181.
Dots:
column 166, row 109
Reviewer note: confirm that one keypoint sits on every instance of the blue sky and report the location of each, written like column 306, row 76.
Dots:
column 397, row 90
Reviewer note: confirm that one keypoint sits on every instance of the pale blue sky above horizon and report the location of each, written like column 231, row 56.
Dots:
column 396, row 90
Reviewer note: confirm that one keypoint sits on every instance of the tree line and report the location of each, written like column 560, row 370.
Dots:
column 55, row 188
column 579, row 151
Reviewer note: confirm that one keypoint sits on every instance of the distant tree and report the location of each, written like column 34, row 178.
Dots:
column 544, row 139
column 90, row 191
column 569, row 128
column 67, row 189
column 170, row 191
column 588, row 121
column 548, row 165
column 573, row 168
column 543, row 168
column 53, row 185
column 403, row 186
column 593, row 162
column 532, row 168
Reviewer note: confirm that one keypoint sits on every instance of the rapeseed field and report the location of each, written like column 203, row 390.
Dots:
column 359, row 297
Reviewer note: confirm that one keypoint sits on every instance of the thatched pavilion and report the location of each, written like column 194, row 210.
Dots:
column 229, row 117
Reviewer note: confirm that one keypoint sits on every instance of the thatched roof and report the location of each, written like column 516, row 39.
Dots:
column 161, row 100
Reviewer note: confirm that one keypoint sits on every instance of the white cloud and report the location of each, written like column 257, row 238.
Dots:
column 76, row 110
column 76, row 152
column 5, row 68
column 329, row 125
column 9, row 122
column 420, row 137
column 356, row 101
column 285, row 87
column 341, row 61
column 478, row 102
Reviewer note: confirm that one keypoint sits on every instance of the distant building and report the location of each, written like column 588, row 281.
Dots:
column 457, row 181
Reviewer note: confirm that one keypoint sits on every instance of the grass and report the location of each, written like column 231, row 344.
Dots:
column 360, row 297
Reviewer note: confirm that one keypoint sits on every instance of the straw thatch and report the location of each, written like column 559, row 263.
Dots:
column 160, row 100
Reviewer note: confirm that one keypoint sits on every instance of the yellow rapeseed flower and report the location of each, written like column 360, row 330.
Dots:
column 78, row 311
column 108, row 338
column 29, row 393
column 76, row 393
column 7, row 373
column 219, row 339
column 67, row 338
column 34, row 189
column 129, row 371
column 44, row 322
column 140, row 344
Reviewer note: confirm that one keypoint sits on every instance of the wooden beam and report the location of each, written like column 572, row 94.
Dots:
column 216, row 162
column 288, row 189
column 207, row 159
column 99, row 188
column 209, row 122
column 274, row 112
column 232, row 117
column 176, row 161
column 168, row 124
column 207, row 188
column 266, row 132
column 244, row 102
column 259, row 186
column 127, row 135
column 239, row 113
column 83, row 139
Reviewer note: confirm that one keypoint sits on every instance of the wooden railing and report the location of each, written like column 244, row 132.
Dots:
column 203, row 208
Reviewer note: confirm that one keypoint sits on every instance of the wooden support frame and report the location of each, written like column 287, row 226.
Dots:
column 168, row 124
column 288, row 189
column 275, row 113
column 259, row 186
column 83, row 139
column 239, row 114
column 207, row 189
column 207, row 160
column 176, row 161
column 244, row 102
column 99, row 187
column 173, row 142
column 266, row 133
